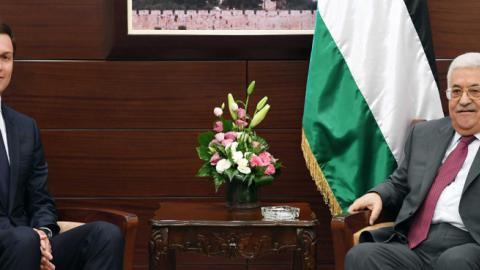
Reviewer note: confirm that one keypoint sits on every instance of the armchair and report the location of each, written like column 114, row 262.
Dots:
column 71, row 217
column 346, row 230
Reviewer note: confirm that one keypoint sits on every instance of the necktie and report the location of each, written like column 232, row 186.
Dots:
column 446, row 174
column 4, row 174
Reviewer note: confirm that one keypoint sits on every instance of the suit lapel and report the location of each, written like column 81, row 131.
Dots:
column 438, row 147
column 474, row 171
column 13, row 152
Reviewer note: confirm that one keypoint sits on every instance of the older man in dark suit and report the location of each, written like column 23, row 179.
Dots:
column 29, row 238
column 435, row 190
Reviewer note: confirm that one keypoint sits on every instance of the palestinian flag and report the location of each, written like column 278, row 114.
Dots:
column 372, row 71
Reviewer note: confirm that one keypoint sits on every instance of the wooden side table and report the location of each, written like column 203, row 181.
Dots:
column 212, row 229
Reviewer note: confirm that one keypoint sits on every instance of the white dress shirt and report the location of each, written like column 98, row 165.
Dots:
column 3, row 129
column 446, row 209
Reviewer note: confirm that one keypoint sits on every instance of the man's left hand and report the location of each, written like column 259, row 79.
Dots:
column 46, row 250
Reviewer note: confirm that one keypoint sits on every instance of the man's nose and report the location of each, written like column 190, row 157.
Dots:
column 465, row 98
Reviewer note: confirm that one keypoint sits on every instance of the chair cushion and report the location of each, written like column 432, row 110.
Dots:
column 68, row 225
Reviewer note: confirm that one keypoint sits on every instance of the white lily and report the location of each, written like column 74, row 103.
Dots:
column 222, row 165
column 244, row 170
column 237, row 156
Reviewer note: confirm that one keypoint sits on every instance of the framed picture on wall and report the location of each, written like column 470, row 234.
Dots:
column 221, row 17
column 210, row 29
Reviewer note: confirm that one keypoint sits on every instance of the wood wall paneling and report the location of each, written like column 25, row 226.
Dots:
column 154, row 163
column 455, row 27
column 105, row 95
column 442, row 68
column 284, row 82
column 54, row 29
column 140, row 94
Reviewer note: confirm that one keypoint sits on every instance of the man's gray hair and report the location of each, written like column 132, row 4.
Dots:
column 466, row 60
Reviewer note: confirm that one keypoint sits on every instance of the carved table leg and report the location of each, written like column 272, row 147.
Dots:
column 305, row 256
column 160, row 256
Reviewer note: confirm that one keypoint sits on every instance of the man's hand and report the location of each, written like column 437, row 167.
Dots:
column 370, row 201
column 46, row 250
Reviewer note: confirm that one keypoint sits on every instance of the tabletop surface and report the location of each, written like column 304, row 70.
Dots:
column 218, row 214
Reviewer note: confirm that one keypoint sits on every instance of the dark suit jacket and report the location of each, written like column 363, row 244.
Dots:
column 29, row 201
column 406, row 188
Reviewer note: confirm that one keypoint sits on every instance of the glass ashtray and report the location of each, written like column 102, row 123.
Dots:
column 280, row 212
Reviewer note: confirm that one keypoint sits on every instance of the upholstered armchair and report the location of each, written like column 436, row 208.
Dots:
column 346, row 230
column 71, row 217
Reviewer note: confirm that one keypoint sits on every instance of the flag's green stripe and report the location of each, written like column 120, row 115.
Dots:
column 343, row 135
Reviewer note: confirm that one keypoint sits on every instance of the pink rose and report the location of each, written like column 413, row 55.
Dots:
column 218, row 126
column 266, row 157
column 214, row 159
column 231, row 135
column 255, row 161
column 220, row 136
column 255, row 144
column 227, row 142
column 241, row 113
column 241, row 123
column 270, row 169
column 218, row 111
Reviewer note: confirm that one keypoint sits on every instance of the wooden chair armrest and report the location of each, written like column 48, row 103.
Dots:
column 345, row 226
column 127, row 223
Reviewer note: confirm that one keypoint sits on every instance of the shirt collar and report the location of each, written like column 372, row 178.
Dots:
column 457, row 136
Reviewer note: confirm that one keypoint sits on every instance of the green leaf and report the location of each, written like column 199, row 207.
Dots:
column 264, row 180
column 205, row 170
column 227, row 125
column 250, row 179
column 218, row 180
column 220, row 149
column 205, row 138
column 242, row 177
column 230, row 173
column 203, row 153
column 260, row 171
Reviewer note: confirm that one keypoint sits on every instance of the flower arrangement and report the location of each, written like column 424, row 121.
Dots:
column 233, row 149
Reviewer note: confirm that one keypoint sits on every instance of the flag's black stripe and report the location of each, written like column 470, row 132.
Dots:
column 418, row 10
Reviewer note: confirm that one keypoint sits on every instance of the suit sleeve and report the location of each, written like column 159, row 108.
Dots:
column 395, row 187
column 40, row 205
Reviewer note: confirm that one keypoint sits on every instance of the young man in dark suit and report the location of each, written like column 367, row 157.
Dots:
column 29, row 238
column 435, row 190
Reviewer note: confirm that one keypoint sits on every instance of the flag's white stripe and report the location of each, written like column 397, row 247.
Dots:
column 385, row 56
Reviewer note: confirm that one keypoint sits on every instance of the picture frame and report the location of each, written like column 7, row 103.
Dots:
column 209, row 47
column 262, row 17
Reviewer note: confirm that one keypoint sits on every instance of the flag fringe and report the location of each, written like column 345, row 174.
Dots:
column 319, row 178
